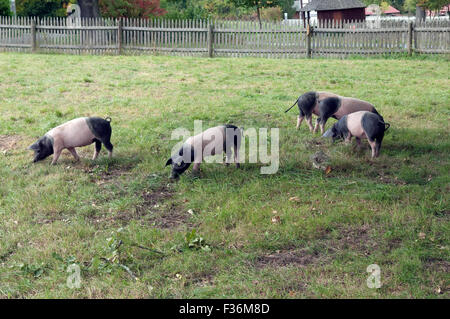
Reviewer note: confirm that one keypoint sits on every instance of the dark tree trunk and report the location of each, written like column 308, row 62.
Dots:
column 420, row 14
column 259, row 16
column 89, row 8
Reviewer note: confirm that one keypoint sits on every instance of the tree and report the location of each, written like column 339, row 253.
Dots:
column 89, row 8
column 185, row 9
column 286, row 6
column 131, row 8
column 258, row 4
column 421, row 5
column 4, row 8
column 40, row 8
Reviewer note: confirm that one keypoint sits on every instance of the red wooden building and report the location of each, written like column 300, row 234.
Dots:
column 336, row 9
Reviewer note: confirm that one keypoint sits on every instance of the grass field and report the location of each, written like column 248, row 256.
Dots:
column 134, row 233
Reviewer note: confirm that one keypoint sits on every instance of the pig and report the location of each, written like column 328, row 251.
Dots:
column 75, row 133
column 361, row 124
column 326, row 105
column 212, row 141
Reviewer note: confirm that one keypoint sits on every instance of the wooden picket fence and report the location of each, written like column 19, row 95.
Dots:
column 221, row 38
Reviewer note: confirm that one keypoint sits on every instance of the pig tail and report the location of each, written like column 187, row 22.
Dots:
column 108, row 119
column 388, row 126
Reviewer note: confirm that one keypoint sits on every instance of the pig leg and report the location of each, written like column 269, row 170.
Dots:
column 376, row 152
column 373, row 146
column 300, row 118
column 348, row 138
column 98, row 147
column 108, row 146
column 57, row 153
column 236, row 156
column 378, row 143
column 377, row 148
column 74, row 153
column 299, row 121
column 309, row 122
column 196, row 168
column 322, row 125
column 358, row 142
column 317, row 125
column 228, row 152
column 227, row 161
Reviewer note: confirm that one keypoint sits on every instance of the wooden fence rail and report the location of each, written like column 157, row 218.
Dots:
column 221, row 38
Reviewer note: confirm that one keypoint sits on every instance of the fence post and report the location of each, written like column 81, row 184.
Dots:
column 119, row 37
column 308, row 40
column 210, row 40
column 410, row 37
column 33, row 36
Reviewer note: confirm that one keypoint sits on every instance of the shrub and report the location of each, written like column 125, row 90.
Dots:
column 271, row 14
column 4, row 8
column 40, row 8
column 130, row 8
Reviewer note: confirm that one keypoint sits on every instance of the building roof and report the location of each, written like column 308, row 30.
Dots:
column 389, row 10
column 324, row 5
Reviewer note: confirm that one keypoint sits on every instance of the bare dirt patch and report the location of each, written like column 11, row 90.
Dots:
column 161, row 213
column 51, row 216
column 7, row 142
column 385, row 179
column 103, row 175
column 355, row 239
column 438, row 265
column 298, row 256
column 314, row 142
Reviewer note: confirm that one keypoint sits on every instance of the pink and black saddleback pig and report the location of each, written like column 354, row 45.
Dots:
column 361, row 124
column 326, row 105
column 75, row 133
column 215, row 140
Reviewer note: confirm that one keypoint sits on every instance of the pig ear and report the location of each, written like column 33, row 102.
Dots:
column 169, row 161
column 34, row 146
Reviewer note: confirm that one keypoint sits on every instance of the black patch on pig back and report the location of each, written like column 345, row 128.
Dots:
column 375, row 112
column 101, row 128
column 373, row 126
column 329, row 106
column 232, row 131
column 306, row 103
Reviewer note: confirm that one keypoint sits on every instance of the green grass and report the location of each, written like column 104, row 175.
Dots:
column 112, row 215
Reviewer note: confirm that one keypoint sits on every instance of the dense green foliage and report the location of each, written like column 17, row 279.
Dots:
column 202, row 9
column 131, row 8
column 40, row 8
column 5, row 8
